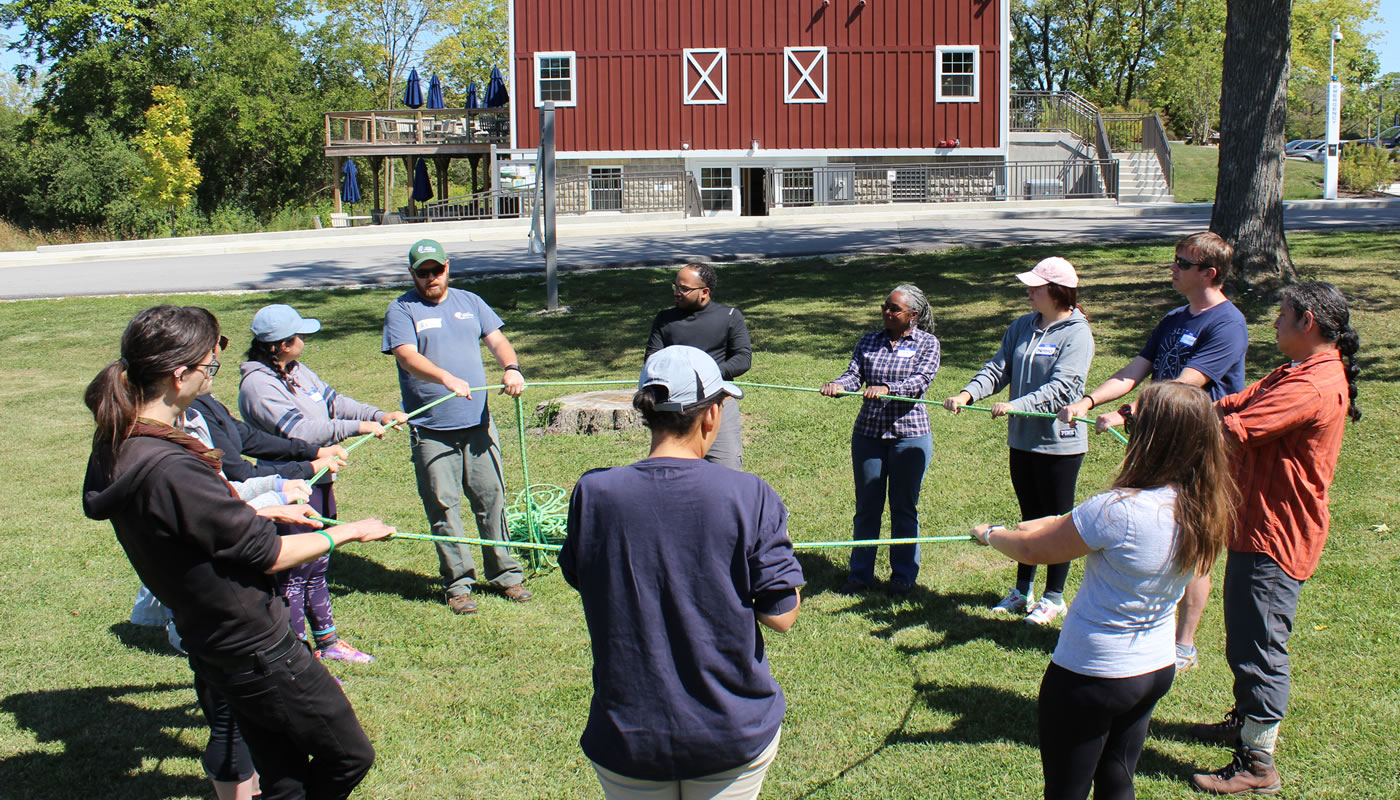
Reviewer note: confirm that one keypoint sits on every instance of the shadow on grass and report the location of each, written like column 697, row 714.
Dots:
column 354, row 573
column 110, row 745
column 144, row 638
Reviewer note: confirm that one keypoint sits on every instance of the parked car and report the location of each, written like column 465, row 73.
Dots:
column 1390, row 137
column 1314, row 150
column 1298, row 144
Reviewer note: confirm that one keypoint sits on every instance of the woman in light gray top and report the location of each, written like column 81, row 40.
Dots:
column 1044, row 360
column 1162, row 523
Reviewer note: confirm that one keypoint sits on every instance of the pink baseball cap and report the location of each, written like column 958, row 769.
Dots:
column 1051, row 270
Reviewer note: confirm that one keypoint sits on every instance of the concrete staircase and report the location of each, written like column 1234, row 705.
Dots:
column 1140, row 179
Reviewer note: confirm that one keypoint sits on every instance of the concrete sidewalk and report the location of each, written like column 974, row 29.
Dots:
column 620, row 225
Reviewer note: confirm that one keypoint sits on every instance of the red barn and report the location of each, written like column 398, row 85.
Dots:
column 746, row 94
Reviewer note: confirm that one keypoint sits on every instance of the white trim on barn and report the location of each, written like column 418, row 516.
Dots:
column 748, row 155
column 804, row 74
column 703, row 73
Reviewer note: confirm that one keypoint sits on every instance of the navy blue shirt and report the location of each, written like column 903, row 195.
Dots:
column 1212, row 342
column 673, row 558
column 449, row 334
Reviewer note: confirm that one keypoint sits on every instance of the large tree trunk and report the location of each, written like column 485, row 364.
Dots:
column 1248, row 209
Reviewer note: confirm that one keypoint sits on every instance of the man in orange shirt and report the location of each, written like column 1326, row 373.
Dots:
column 1287, row 432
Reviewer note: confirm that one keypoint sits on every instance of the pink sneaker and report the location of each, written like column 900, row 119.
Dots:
column 342, row 650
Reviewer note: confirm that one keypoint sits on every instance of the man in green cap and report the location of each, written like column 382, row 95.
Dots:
column 435, row 334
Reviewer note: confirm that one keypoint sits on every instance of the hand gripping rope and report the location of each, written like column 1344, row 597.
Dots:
column 535, row 520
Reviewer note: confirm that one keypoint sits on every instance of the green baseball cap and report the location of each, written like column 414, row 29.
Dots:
column 425, row 250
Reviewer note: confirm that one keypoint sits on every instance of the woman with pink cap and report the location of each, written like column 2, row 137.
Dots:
column 1044, row 361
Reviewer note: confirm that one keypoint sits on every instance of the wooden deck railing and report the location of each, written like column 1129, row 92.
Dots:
column 418, row 126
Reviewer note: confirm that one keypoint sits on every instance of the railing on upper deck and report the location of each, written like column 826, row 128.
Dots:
column 418, row 126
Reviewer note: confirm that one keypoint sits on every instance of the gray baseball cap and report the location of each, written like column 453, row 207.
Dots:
column 689, row 375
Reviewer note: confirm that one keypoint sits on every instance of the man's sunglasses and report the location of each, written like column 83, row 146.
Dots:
column 424, row 273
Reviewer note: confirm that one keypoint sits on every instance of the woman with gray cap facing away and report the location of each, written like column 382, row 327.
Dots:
column 280, row 395
column 1044, row 359
column 891, row 443
column 678, row 561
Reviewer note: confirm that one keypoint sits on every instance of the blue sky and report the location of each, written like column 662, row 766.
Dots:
column 1387, row 46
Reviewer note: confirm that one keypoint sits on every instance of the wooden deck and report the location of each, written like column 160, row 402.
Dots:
column 436, row 134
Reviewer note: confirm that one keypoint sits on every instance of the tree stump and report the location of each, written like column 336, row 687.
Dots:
column 590, row 412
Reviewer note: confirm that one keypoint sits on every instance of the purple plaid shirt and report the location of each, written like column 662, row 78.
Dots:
column 906, row 366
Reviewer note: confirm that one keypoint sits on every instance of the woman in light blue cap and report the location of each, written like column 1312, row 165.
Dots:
column 282, row 396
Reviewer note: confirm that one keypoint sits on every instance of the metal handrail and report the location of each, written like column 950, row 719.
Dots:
column 1155, row 135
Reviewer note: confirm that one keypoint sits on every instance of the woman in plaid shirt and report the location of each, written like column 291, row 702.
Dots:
column 891, row 442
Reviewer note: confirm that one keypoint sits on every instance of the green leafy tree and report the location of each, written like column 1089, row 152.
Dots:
column 393, row 29
column 478, row 39
column 168, row 176
column 1186, row 80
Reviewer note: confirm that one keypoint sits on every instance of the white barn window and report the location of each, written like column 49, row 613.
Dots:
column 958, row 79
column 804, row 75
column 555, row 79
column 706, row 76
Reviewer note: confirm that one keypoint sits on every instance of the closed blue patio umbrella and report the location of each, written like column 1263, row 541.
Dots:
column 413, row 93
column 472, row 100
column 435, row 93
column 496, row 94
column 350, row 188
column 422, row 187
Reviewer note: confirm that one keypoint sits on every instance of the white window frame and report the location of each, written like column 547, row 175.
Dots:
column 790, row 89
column 573, row 78
column 976, row 95
column 706, row 75
column 733, row 189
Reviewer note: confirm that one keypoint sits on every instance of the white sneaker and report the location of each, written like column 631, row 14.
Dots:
column 1013, row 601
column 1045, row 611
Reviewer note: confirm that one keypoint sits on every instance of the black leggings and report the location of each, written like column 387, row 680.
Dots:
column 1092, row 730
column 1044, row 487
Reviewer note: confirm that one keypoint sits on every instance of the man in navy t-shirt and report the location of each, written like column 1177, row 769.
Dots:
column 1201, row 343
column 435, row 334
column 678, row 561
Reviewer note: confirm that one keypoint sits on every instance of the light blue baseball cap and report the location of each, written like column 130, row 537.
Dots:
column 278, row 322
column 689, row 375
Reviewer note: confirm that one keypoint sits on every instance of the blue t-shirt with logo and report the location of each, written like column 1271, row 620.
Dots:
column 449, row 334
column 1212, row 342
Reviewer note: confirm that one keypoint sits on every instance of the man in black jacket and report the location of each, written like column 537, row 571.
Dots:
column 290, row 458
column 718, row 329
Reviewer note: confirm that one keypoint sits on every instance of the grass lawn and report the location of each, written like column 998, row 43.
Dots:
column 1195, row 169
column 928, row 697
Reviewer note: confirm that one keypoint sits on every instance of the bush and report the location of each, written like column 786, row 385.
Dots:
column 1366, row 169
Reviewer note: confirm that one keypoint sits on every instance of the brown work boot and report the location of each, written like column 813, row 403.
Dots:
column 517, row 593
column 1225, row 732
column 1250, row 772
column 462, row 604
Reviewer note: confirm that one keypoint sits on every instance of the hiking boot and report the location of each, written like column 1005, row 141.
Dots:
column 1226, row 731
column 1014, row 601
column 852, row 587
column 517, row 593
column 1045, row 611
column 462, row 604
column 1249, row 772
column 897, row 588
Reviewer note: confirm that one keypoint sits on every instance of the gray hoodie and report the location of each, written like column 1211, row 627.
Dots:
column 1046, row 369
column 314, row 412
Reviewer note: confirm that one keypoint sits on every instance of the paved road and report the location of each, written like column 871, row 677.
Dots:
column 346, row 266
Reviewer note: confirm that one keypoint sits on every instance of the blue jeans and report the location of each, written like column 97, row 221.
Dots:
column 898, row 464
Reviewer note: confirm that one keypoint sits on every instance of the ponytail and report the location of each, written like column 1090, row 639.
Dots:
column 265, row 353
column 1347, row 345
column 156, row 342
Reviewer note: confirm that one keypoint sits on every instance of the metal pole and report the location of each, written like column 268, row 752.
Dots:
column 1334, row 121
column 551, row 248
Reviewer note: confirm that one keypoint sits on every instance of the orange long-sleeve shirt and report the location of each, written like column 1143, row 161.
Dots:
column 1287, row 432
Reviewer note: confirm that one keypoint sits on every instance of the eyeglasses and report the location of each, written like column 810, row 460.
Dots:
column 211, row 369
column 686, row 289
column 1182, row 263
column 424, row 273
column 893, row 309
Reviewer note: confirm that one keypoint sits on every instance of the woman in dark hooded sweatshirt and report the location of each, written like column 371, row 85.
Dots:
column 208, row 556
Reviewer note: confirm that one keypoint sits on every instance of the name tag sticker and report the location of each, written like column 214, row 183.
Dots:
column 1046, row 349
column 904, row 353
column 427, row 324
column 316, row 397
column 1187, row 339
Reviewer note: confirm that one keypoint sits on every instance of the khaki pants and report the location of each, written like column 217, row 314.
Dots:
column 741, row 783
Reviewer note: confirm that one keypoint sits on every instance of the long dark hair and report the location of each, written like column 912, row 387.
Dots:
column 1177, row 441
column 1333, row 317
column 266, row 353
column 156, row 342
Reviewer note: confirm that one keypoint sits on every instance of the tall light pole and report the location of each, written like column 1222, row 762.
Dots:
column 1334, row 118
